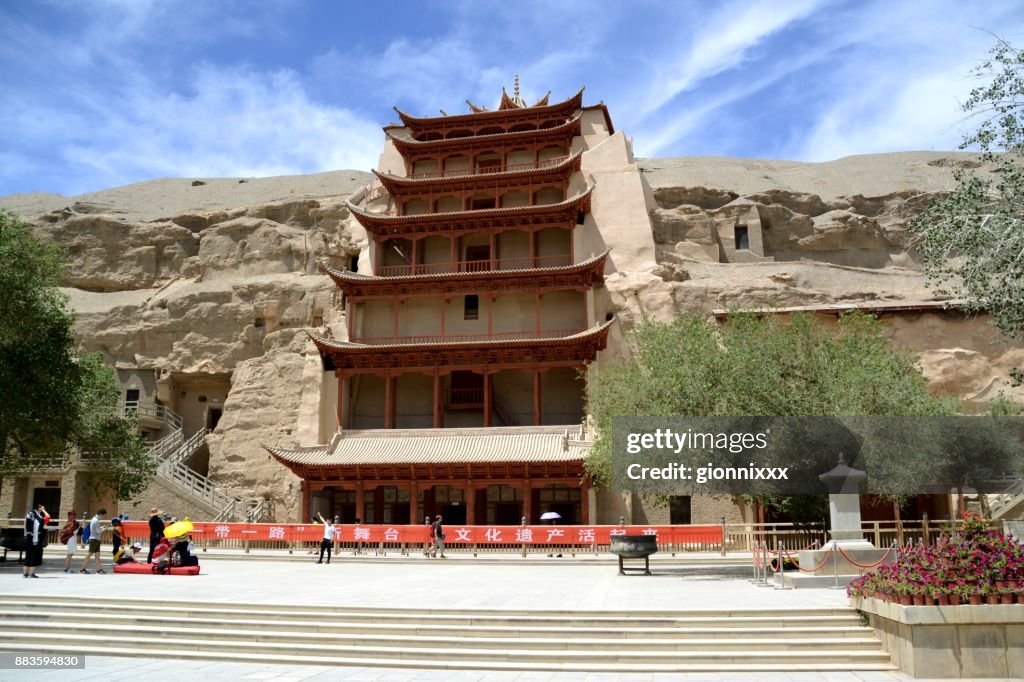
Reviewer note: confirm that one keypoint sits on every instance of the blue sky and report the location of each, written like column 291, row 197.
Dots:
column 102, row 93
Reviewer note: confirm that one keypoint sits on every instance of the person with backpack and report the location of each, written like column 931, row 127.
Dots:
column 95, row 532
column 438, row 537
column 69, row 538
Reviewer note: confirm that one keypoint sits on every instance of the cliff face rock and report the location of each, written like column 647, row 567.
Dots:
column 220, row 279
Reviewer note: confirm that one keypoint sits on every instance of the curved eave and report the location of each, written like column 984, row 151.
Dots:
column 575, row 350
column 397, row 184
column 405, row 145
column 292, row 459
column 378, row 222
column 571, row 104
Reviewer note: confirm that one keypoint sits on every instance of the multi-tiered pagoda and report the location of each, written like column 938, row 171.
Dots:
column 471, row 320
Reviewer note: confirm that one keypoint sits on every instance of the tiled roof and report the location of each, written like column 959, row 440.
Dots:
column 866, row 306
column 331, row 344
column 573, row 102
column 442, row 446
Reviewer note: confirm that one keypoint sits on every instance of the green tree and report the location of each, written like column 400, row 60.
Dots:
column 972, row 239
column 54, row 402
column 770, row 366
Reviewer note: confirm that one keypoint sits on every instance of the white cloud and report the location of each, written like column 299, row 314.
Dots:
column 921, row 113
column 723, row 44
column 232, row 122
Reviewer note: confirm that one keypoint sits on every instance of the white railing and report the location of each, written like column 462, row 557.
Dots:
column 1002, row 502
column 161, row 412
column 186, row 449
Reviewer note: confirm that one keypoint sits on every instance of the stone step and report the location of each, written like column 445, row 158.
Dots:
column 754, row 618
column 50, row 647
column 405, row 629
column 188, row 630
column 410, row 656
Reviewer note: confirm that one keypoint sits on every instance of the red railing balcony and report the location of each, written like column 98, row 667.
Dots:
column 525, row 263
column 488, row 170
column 467, row 338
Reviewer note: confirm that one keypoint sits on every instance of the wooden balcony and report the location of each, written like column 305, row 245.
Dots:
column 525, row 263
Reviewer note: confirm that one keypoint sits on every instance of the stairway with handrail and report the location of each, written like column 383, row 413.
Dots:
column 172, row 453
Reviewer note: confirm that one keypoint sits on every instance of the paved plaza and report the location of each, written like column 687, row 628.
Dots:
column 452, row 584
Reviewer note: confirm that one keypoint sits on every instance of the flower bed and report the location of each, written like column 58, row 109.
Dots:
column 979, row 567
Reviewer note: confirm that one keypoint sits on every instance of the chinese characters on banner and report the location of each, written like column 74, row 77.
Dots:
column 480, row 535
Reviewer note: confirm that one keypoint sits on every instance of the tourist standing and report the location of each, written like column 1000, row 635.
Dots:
column 156, row 531
column 69, row 537
column 35, row 540
column 328, row 542
column 95, row 532
column 438, row 537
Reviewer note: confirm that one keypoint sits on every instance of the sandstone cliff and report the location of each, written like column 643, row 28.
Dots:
column 216, row 280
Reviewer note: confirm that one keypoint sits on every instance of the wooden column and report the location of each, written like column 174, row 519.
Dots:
column 527, row 501
column 360, row 511
column 444, row 311
column 350, row 315
column 470, row 494
column 395, row 303
column 537, row 314
column 490, row 314
column 415, row 249
column 487, row 399
column 339, row 409
column 572, row 250
column 533, row 248
column 389, row 413
column 305, row 502
column 452, row 255
column 536, row 397
column 585, row 501
column 437, row 400
column 414, row 510
column 492, row 249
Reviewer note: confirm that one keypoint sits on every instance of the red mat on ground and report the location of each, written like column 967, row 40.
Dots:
column 147, row 569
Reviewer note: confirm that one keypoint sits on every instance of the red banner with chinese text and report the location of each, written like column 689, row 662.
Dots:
column 454, row 534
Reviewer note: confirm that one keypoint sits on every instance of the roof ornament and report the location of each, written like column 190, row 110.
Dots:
column 517, row 100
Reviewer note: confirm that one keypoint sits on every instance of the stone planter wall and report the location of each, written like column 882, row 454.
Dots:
column 950, row 641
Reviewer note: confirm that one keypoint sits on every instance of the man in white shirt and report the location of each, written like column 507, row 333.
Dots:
column 328, row 542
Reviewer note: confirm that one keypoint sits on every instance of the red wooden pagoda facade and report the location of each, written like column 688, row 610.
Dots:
column 460, row 384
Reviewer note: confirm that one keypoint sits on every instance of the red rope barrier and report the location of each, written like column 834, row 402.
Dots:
column 810, row 570
column 884, row 556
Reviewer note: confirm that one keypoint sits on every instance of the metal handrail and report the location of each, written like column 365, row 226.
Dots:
column 483, row 265
column 161, row 412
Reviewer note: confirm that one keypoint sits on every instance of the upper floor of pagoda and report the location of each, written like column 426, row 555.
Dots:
column 512, row 115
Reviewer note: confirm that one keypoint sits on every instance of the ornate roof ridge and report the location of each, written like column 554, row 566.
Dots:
column 574, row 101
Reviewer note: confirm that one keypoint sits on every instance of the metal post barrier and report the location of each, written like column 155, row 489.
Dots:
column 835, row 564
column 723, row 534
column 766, row 563
column 781, row 582
column 754, row 557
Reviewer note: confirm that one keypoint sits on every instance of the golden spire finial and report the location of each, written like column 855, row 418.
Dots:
column 515, row 88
